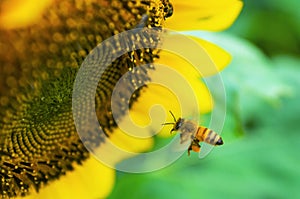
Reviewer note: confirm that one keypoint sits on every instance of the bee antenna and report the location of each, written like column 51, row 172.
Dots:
column 168, row 123
column 173, row 116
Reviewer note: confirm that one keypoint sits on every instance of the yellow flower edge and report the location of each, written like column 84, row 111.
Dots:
column 168, row 101
column 89, row 180
column 219, row 56
column 210, row 58
column 18, row 13
column 213, row 15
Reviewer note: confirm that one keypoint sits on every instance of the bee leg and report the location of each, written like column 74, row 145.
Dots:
column 172, row 131
column 192, row 137
column 195, row 146
column 189, row 150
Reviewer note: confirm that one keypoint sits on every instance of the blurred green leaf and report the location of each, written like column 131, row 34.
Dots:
column 273, row 25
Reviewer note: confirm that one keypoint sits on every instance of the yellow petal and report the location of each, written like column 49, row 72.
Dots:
column 124, row 142
column 207, row 58
column 214, row 15
column 89, row 180
column 19, row 13
column 189, row 74
column 176, row 87
column 220, row 57
column 145, row 112
column 157, row 94
column 127, row 141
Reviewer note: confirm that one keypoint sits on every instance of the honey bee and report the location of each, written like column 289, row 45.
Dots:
column 189, row 130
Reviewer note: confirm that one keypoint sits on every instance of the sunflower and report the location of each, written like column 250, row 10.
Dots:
column 42, row 47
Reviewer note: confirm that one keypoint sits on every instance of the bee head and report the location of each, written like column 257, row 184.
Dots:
column 177, row 124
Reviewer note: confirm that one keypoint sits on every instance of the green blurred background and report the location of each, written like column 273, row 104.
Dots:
column 260, row 157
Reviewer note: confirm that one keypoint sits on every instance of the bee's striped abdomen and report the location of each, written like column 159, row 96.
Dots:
column 209, row 136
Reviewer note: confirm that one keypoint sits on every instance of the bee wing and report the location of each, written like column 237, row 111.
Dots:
column 180, row 144
column 205, row 150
